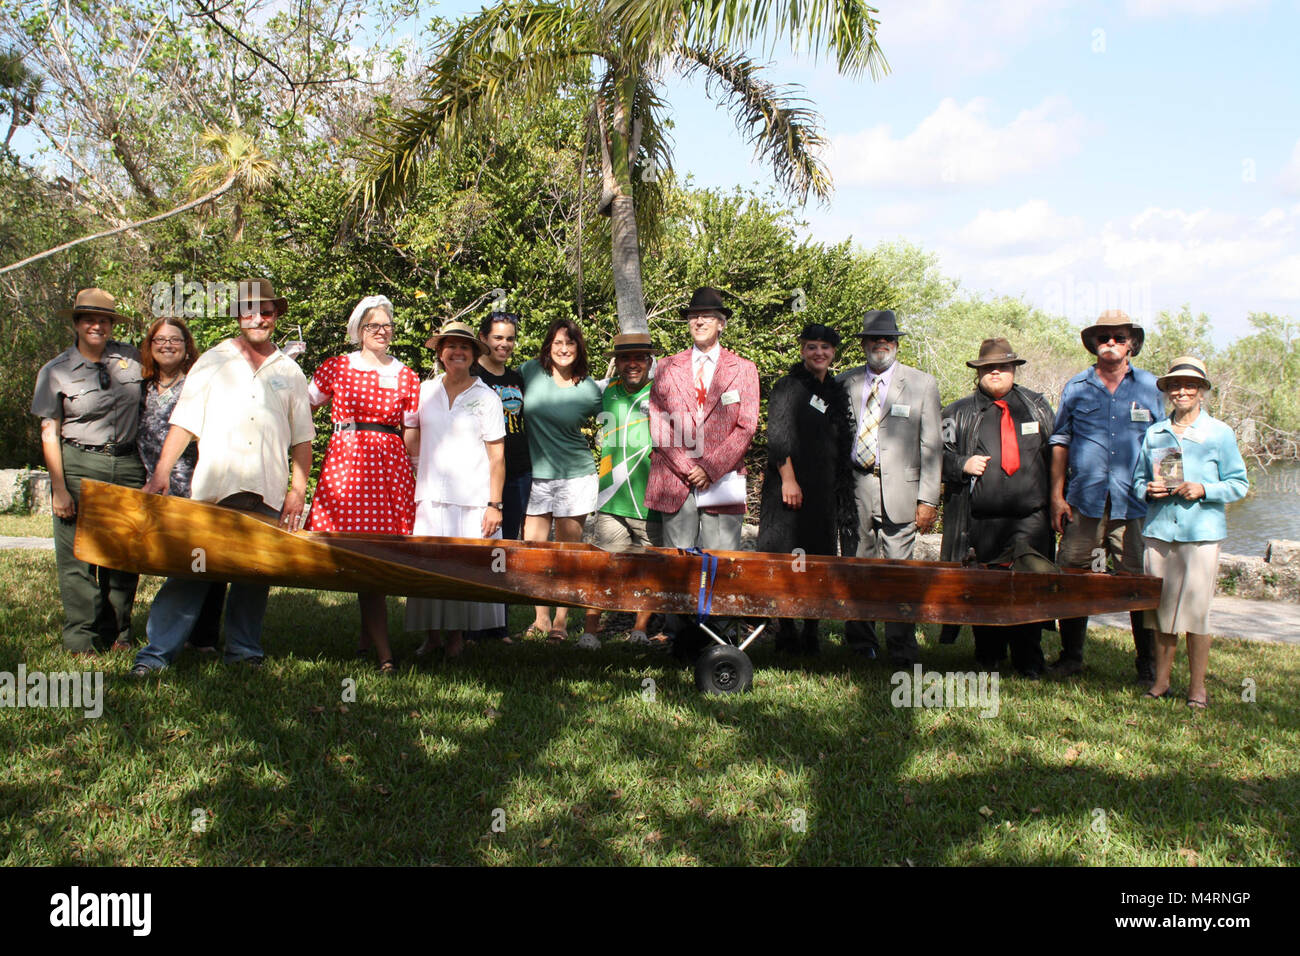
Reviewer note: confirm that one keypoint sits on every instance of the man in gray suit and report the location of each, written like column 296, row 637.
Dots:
column 897, row 465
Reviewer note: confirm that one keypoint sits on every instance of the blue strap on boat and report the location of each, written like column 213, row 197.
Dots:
column 708, row 574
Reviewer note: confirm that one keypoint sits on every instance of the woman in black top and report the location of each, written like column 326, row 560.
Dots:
column 807, row 498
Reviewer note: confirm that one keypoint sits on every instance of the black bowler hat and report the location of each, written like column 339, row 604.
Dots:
column 879, row 322
column 706, row 299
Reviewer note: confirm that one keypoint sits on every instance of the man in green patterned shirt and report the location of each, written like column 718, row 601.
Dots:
column 622, row 519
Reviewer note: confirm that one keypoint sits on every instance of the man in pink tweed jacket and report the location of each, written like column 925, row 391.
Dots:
column 703, row 415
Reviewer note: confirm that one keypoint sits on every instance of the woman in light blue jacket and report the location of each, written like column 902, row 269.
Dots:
column 1189, row 469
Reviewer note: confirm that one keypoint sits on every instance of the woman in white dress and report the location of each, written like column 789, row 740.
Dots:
column 459, row 480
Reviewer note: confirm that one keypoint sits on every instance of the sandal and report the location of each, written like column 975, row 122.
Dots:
column 556, row 636
column 388, row 668
column 1195, row 704
column 533, row 633
column 1169, row 692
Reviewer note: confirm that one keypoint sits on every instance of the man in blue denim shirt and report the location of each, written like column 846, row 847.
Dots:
column 1103, row 416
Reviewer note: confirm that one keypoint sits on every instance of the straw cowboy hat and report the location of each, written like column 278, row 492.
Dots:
column 456, row 330
column 1185, row 366
column 996, row 352
column 1109, row 320
column 93, row 302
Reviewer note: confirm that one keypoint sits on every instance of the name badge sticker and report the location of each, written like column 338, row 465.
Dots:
column 388, row 381
column 730, row 398
column 1192, row 435
column 900, row 411
column 1029, row 428
column 818, row 404
column 1139, row 414
column 279, row 384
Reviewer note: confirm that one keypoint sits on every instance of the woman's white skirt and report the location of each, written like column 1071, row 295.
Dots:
column 424, row 614
column 1190, row 570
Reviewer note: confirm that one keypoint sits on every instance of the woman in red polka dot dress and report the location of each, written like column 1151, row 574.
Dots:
column 366, row 482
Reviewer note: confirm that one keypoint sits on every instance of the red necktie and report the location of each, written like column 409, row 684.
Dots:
column 1010, row 447
column 701, row 393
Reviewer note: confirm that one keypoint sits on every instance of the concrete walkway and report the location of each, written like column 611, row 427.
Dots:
column 1229, row 616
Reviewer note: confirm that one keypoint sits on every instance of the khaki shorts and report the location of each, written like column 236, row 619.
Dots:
column 1088, row 542
column 617, row 533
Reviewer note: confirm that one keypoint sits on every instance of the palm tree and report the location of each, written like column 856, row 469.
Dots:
column 240, row 163
column 515, row 54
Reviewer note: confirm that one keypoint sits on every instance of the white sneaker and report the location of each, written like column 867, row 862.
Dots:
column 589, row 642
column 638, row 637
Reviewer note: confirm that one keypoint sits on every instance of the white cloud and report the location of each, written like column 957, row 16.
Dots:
column 959, row 145
column 977, row 35
column 1029, row 226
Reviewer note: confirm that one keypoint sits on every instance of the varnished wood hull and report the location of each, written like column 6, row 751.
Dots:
column 151, row 534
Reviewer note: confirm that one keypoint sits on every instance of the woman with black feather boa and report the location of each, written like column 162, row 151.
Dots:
column 807, row 498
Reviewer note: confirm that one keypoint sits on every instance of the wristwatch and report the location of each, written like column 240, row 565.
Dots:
column 499, row 505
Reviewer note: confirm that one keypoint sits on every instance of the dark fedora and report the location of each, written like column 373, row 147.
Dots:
column 456, row 330
column 1110, row 320
column 93, row 302
column 256, row 291
column 626, row 343
column 706, row 299
column 996, row 352
column 879, row 322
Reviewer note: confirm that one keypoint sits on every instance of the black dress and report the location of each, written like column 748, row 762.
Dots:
column 808, row 422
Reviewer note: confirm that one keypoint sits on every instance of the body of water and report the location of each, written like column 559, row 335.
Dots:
column 1272, row 510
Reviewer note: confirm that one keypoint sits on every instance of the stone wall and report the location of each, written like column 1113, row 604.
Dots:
column 24, row 491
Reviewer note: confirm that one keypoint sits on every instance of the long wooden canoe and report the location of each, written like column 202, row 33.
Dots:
column 154, row 534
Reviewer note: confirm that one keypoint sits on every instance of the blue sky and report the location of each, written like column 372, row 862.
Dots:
column 1144, row 154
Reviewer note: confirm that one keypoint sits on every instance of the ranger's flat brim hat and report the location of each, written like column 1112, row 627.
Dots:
column 456, row 330
column 1185, row 366
column 706, row 299
column 1110, row 320
column 94, row 302
column 996, row 352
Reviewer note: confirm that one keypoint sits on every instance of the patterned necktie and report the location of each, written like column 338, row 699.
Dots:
column 1010, row 447
column 701, row 393
column 864, row 449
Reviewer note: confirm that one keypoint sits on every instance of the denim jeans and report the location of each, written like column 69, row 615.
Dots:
column 180, row 602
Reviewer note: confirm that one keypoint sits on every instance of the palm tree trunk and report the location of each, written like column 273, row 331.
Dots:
column 206, row 197
column 625, row 254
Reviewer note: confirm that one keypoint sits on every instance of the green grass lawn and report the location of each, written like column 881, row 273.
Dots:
column 26, row 526
column 538, row 755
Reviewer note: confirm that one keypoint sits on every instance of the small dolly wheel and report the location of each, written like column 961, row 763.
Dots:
column 723, row 670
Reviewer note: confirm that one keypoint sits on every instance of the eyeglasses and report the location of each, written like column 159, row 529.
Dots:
column 265, row 308
column 377, row 327
column 168, row 340
column 1182, row 387
column 1119, row 338
column 880, row 338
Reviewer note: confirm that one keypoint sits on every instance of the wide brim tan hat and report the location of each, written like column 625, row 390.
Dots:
column 1112, row 319
column 1185, row 366
column 626, row 342
column 94, row 302
column 260, row 290
column 456, row 330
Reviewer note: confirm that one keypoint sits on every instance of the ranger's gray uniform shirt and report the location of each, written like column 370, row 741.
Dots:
column 67, row 390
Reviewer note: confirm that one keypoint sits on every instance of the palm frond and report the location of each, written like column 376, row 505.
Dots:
column 784, row 133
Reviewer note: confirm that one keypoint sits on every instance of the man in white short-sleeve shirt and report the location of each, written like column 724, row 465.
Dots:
column 246, row 404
